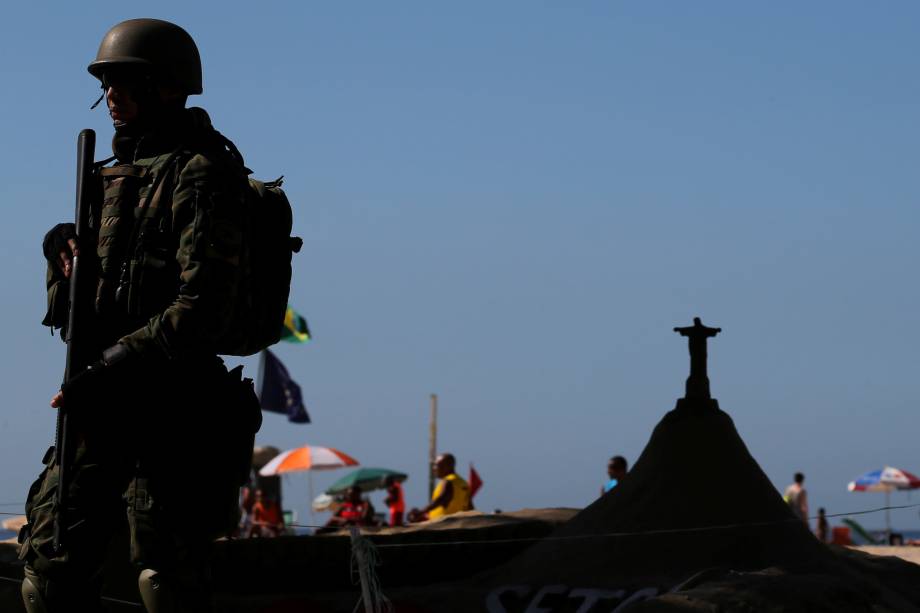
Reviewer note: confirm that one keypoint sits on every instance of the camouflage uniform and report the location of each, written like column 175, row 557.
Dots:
column 164, row 435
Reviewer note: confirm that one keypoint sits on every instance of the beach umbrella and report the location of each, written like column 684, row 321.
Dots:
column 307, row 458
column 366, row 478
column 886, row 480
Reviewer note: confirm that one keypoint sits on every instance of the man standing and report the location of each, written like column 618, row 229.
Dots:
column 169, row 249
column 823, row 529
column 616, row 470
column 797, row 498
column 395, row 500
column 452, row 493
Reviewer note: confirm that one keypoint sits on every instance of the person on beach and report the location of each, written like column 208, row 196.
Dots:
column 395, row 500
column 247, row 499
column 267, row 518
column 452, row 494
column 616, row 470
column 355, row 511
column 797, row 498
column 823, row 530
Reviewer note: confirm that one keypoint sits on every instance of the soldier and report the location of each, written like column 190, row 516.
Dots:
column 170, row 244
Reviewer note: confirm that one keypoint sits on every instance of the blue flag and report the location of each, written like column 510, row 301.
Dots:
column 277, row 391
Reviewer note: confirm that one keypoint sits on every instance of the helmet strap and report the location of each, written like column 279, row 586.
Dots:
column 98, row 100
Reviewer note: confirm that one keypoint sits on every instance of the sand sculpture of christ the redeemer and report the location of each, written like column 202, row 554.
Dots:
column 698, row 382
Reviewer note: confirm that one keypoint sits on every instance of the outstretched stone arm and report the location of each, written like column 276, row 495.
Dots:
column 698, row 329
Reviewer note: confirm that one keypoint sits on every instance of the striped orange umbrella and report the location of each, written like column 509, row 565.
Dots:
column 307, row 458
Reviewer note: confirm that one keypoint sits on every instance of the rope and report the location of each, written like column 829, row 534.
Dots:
column 364, row 559
column 889, row 508
column 601, row 535
column 627, row 534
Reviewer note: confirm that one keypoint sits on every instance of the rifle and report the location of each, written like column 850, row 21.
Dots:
column 77, row 328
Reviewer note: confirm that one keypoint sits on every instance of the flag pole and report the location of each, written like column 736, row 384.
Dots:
column 432, row 443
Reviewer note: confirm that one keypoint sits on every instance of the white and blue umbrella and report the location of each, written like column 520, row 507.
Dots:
column 886, row 480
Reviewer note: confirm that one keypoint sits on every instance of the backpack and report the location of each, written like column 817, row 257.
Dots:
column 257, row 320
column 266, row 264
column 267, row 273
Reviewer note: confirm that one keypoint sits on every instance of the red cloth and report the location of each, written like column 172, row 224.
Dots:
column 395, row 492
column 475, row 481
column 353, row 512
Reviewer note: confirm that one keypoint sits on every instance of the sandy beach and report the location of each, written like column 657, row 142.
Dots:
column 909, row 553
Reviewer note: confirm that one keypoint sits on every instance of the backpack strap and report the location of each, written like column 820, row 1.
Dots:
column 155, row 193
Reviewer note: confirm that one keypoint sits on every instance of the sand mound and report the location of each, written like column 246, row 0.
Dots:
column 695, row 499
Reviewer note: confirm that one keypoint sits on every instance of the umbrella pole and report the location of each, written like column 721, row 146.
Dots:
column 310, row 485
column 888, row 513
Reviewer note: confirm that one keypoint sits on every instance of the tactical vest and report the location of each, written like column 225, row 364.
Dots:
column 138, row 272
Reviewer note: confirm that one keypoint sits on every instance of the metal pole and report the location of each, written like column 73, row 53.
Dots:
column 432, row 443
column 888, row 513
column 310, row 486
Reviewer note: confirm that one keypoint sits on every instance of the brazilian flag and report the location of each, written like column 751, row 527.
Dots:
column 295, row 328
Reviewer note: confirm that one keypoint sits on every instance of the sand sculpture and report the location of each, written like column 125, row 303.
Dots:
column 695, row 526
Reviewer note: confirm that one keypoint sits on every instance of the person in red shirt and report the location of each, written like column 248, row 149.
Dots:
column 355, row 511
column 395, row 500
column 267, row 520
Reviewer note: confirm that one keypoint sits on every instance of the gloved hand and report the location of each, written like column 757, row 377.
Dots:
column 80, row 388
column 59, row 247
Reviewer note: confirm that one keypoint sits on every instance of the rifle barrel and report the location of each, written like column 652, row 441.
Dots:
column 76, row 329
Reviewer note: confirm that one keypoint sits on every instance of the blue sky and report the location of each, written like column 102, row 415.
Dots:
column 511, row 205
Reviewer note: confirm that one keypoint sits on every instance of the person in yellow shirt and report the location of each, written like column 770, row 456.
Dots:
column 452, row 493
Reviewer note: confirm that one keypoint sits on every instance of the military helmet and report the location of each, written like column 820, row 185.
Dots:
column 163, row 47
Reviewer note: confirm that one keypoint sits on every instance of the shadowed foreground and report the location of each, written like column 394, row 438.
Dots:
column 657, row 543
